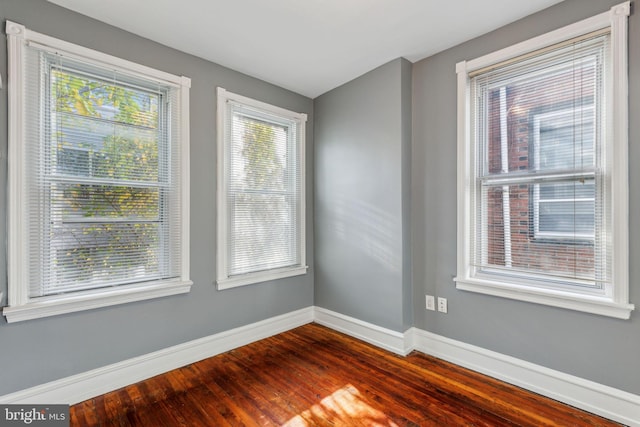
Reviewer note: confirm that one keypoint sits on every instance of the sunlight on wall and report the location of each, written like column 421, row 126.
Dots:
column 345, row 407
column 373, row 230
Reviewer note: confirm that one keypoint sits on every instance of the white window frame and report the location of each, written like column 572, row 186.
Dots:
column 614, row 302
column 224, row 279
column 20, row 305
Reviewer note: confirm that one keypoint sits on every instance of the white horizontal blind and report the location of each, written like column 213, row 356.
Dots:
column 102, row 195
column 263, row 190
column 542, row 199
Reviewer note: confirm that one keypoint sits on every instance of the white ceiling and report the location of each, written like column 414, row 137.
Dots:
column 307, row 46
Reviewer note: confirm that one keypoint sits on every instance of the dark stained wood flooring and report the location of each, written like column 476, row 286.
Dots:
column 314, row 376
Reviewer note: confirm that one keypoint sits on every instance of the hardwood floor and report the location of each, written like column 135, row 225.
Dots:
column 314, row 376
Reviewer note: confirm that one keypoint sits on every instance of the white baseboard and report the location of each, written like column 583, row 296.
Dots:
column 596, row 398
column 86, row 385
column 593, row 397
column 373, row 334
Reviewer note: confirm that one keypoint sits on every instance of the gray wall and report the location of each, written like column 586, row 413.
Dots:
column 362, row 151
column 37, row 351
column 594, row 347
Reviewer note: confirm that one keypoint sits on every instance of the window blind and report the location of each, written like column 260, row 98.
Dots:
column 263, row 190
column 102, row 194
column 542, row 198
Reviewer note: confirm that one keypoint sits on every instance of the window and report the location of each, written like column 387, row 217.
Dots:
column 261, row 188
column 542, row 173
column 98, row 181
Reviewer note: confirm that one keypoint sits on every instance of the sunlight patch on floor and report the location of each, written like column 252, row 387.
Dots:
column 345, row 407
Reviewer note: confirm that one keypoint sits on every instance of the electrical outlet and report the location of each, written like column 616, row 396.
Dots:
column 431, row 302
column 442, row 305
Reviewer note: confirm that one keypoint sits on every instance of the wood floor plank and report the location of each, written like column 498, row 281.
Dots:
column 238, row 413
column 201, row 398
column 281, row 397
column 314, row 376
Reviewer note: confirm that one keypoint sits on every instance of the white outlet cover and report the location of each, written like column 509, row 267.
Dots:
column 442, row 305
column 430, row 302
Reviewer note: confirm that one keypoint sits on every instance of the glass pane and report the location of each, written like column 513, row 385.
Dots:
column 508, row 233
column 111, row 232
column 541, row 120
column 101, row 254
column 97, row 149
column 103, row 129
column 259, row 155
column 263, row 232
column 538, row 127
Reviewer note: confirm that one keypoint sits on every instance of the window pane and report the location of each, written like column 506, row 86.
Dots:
column 91, row 255
column 263, row 232
column 541, row 119
column 88, row 147
column 106, row 151
column 508, row 233
column 105, row 233
column 260, row 154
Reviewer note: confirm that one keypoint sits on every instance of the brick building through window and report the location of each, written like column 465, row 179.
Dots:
column 546, row 225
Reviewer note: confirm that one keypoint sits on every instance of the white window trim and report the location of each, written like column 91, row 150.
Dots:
column 616, row 304
column 20, row 306
column 224, row 280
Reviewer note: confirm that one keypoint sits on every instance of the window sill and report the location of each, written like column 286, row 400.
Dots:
column 261, row 276
column 69, row 303
column 588, row 304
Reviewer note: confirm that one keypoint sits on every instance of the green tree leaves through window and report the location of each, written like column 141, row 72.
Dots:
column 107, row 189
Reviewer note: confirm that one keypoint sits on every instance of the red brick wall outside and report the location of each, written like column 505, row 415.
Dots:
column 540, row 255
